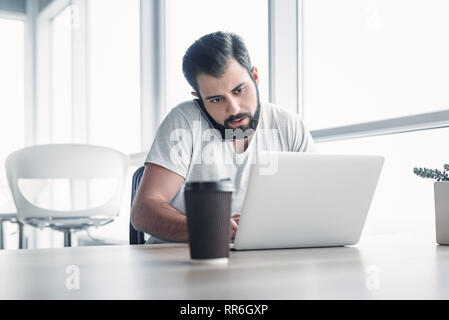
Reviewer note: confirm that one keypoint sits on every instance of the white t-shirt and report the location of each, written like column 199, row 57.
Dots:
column 188, row 145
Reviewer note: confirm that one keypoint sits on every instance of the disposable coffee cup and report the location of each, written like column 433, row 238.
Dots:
column 208, row 210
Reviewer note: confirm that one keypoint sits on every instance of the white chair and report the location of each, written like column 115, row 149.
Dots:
column 12, row 218
column 8, row 213
column 66, row 161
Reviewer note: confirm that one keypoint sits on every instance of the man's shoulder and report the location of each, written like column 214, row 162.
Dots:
column 278, row 115
column 186, row 109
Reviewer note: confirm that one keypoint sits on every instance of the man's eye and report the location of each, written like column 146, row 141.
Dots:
column 215, row 100
column 238, row 90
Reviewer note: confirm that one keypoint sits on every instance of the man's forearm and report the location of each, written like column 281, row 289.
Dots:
column 159, row 219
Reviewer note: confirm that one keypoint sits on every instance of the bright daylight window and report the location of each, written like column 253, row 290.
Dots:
column 403, row 202
column 189, row 20
column 61, row 68
column 114, row 93
column 114, row 68
column 366, row 60
column 112, row 88
column 12, row 119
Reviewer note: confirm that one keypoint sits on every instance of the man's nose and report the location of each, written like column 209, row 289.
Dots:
column 233, row 106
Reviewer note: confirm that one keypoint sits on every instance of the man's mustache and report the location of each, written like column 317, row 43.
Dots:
column 237, row 117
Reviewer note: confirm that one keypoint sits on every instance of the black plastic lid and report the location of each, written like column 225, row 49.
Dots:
column 225, row 185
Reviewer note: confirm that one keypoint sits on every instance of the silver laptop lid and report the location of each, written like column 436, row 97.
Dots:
column 307, row 200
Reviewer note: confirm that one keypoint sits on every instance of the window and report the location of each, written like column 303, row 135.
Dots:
column 114, row 68
column 61, row 82
column 189, row 20
column 91, row 51
column 94, row 62
column 12, row 118
column 367, row 60
column 403, row 202
column 114, row 92
column 371, row 68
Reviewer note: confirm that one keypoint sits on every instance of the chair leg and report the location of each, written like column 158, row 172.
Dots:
column 67, row 238
column 2, row 246
column 21, row 238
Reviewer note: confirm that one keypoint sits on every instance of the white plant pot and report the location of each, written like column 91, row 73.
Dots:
column 442, row 212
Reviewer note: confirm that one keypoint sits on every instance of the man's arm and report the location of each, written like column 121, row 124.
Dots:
column 151, row 211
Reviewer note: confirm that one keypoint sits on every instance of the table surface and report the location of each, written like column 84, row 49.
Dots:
column 378, row 267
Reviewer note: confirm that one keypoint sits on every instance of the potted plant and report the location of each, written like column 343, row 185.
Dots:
column 441, row 187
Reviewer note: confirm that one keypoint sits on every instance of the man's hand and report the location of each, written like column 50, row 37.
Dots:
column 235, row 218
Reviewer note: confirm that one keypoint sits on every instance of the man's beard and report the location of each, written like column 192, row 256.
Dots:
column 229, row 133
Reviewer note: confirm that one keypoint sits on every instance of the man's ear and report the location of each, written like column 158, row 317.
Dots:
column 255, row 74
column 195, row 94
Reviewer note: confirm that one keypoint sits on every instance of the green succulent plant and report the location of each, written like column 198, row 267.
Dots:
column 433, row 174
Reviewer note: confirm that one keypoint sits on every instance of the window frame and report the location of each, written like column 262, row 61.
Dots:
column 284, row 63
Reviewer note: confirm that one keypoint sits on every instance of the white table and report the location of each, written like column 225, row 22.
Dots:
column 380, row 267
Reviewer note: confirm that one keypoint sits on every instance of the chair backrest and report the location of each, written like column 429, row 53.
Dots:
column 66, row 161
column 136, row 237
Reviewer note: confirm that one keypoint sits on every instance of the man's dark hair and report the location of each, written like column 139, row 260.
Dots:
column 210, row 55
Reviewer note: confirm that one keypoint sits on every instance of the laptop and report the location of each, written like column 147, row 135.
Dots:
column 299, row 200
